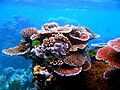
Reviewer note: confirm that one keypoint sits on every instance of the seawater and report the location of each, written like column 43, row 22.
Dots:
column 102, row 17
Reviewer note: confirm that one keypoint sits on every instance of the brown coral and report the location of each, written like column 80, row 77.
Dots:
column 109, row 55
column 50, row 27
column 68, row 71
column 86, row 66
column 94, row 77
column 18, row 50
column 15, row 51
column 75, row 59
column 65, row 29
column 26, row 33
column 82, row 33
column 78, row 46
column 57, row 37
column 115, row 44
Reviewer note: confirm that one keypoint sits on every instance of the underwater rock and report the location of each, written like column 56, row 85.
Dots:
column 109, row 54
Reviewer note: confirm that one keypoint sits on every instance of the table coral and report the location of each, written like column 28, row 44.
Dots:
column 75, row 59
column 68, row 71
column 110, row 53
column 22, row 49
column 115, row 44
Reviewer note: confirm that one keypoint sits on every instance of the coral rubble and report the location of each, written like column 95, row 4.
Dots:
column 55, row 51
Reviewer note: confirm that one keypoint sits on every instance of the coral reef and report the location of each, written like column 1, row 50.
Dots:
column 15, row 79
column 26, row 33
column 115, row 44
column 110, row 53
column 93, row 78
column 55, row 51
column 18, row 50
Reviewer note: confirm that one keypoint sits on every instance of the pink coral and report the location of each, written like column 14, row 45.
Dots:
column 68, row 71
column 78, row 46
column 75, row 59
column 109, row 55
column 26, row 33
column 52, row 27
column 115, row 44
column 81, row 33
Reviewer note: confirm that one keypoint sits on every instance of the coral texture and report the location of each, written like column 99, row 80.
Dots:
column 94, row 77
column 28, row 32
column 18, row 50
column 115, row 44
column 110, row 53
column 55, row 51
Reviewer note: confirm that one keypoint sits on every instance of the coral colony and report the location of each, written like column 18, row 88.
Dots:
column 110, row 54
column 55, row 50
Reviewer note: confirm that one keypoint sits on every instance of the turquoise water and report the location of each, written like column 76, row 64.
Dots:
column 102, row 19
column 101, row 16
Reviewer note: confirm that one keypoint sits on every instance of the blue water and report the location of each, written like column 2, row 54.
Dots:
column 101, row 16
